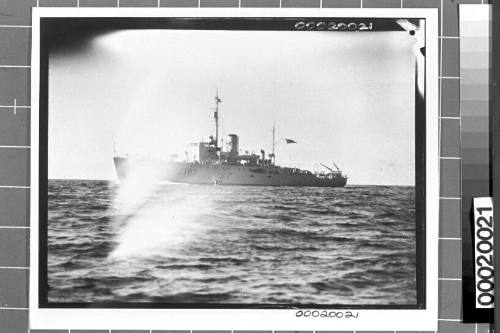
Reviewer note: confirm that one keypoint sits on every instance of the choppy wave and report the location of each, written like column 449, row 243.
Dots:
column 235, row 244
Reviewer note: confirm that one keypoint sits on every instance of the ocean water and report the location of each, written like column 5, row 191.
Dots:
column 174, row 243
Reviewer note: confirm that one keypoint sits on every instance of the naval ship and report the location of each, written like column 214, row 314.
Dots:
column 215, row 165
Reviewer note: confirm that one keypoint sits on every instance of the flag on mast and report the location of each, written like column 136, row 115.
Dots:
column 288, row 141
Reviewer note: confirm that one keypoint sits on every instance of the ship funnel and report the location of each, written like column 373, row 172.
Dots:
column 233, row 146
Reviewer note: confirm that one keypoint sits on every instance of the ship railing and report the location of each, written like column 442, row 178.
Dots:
column 329, row 175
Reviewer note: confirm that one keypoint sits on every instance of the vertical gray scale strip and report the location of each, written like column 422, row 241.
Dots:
column 476, row 182
column 495, row 146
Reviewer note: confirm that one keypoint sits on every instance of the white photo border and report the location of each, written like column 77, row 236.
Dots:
column 425, row 319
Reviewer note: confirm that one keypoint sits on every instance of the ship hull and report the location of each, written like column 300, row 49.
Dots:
column 222, row 174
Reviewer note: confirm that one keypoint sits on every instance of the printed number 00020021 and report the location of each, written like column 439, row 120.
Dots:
column 483, row 241
column 326, row 314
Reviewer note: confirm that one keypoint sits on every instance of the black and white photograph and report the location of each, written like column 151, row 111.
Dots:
column 232, row 166
column 233, row 162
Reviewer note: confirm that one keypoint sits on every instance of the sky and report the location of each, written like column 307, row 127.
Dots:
column 345, row 97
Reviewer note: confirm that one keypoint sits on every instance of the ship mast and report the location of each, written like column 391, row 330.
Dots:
column 216, row 117
column 274, row 143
